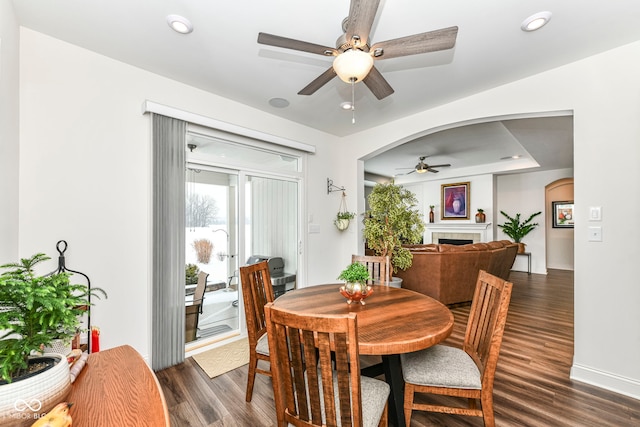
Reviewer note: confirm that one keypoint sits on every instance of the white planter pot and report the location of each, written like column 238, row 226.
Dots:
column 395, row 282
column 341, row 224
column 23, row 402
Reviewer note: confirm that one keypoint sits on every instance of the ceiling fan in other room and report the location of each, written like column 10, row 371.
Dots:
column 354, row 54
column 422, row 167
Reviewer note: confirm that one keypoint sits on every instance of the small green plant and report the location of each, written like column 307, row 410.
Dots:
column 35, row 311
column 516, row 229
column 345, row 215
column 191, row 274
column 480, row 210
column 355, row 273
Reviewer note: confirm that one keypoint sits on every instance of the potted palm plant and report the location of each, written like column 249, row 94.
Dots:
column 34, row 312
column 393, row 220
column 516, row 229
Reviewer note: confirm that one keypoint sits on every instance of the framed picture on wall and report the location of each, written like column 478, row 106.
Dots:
column 455, row 201
column 562, row 214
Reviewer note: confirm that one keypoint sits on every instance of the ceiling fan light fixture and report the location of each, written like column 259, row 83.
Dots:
column 536, row 21
column 421, row 169
column 346, row 105
column 351, row 64
column 180, row 24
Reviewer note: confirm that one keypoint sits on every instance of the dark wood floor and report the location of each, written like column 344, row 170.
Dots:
column 532, row 386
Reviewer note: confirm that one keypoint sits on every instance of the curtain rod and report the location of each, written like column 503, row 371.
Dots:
column 165, row 110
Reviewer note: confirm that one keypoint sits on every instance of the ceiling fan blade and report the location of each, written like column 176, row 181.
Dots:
column 278, row 41
column 377, row 84
column 320, row 81
column 431, row 41
column 361, row 16
column 438, row 166
column 432, row 170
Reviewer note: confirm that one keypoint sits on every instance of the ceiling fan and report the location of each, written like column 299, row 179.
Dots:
column 422, row 167
column 354, row 55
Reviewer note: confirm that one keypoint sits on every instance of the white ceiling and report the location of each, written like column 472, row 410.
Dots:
column 222, row 56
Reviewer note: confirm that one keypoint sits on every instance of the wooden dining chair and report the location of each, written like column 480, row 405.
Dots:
column 378, row 266
column 467, row 372
column 316, row 375
column 256, row 292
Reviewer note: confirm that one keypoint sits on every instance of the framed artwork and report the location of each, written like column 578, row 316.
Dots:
column 562, row 214
column 455, row 201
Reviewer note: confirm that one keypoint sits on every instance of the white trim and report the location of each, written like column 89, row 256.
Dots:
column 616, row 383
column 165, row 110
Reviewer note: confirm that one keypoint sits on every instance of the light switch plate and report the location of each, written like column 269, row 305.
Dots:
column 595, row 234
column 595, row 213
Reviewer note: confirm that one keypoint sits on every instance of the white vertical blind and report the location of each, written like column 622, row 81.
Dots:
column 274, row 219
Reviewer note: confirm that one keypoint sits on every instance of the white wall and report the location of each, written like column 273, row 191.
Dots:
column 603, row 93
column 430, row 193
column 525, row 194
column 85, row 177
column 9, row 141
column 85, row 173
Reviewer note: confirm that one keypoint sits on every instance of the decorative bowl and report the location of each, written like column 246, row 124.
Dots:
column 355, row 292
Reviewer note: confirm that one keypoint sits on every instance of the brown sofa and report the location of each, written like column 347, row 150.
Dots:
column 449, row 273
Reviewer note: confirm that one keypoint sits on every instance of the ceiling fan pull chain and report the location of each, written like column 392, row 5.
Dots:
column 353, row 101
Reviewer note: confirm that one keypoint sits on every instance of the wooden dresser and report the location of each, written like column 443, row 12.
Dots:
column 117, row 388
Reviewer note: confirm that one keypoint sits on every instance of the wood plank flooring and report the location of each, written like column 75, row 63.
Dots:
column 532, row 386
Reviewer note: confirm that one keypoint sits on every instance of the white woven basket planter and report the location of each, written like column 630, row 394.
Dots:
column 23, row 402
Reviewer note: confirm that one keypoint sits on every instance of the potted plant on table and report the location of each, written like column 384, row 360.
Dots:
column 356, row 277
column 34, row 312
column 393, row 220
column 516, row 229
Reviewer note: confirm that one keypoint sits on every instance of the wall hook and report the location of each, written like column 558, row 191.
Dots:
column 331, row 188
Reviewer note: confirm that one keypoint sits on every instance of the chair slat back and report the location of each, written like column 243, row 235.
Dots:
column 198, row 295
column 487, row 319
column 316, row 361
column 378, row 267
column 257, row 291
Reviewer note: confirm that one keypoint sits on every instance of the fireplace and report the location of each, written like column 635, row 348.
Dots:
column 469, row 232
column 455, row 241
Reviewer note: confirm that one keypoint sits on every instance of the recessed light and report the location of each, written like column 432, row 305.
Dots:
column 514, row 157
column 179, row 24
column 346, row 105
column 536, row 21
column 279, row 102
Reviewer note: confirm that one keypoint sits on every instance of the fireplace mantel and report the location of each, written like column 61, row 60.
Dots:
column 478, row 232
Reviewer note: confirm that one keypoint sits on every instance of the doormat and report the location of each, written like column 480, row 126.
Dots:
column 223, row 359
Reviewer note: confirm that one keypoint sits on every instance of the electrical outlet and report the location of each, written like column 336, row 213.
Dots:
column 595, row 234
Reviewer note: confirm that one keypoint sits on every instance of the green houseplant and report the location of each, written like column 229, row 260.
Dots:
column 343, row 218
column 355, row 273
column 35, row 311
column 516, row 229
column 356, row 289
column 391, row 221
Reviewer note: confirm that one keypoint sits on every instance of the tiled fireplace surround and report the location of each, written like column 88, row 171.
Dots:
column 481, row 232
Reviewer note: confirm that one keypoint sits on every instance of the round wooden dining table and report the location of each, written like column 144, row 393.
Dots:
column 391, row 322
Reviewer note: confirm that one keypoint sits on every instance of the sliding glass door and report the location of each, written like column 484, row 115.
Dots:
column 242, row 205
column 211, row 236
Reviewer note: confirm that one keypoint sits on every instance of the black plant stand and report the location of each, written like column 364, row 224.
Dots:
column 61, row 247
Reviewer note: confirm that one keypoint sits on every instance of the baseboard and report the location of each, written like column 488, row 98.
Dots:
column 616, row 383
